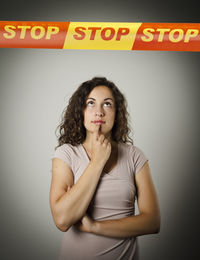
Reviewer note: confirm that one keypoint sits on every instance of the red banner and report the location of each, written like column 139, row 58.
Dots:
column 100, row 36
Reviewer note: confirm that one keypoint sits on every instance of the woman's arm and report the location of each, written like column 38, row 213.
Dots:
column 70, row 206
column 141, row 224
column 148, row 220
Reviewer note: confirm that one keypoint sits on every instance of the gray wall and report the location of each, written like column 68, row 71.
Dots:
column 162, row 89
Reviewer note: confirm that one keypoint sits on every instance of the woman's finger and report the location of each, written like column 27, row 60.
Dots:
column 96, row 132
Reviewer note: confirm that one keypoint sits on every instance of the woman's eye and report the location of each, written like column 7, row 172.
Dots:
column 90, row 103
column 108, row 104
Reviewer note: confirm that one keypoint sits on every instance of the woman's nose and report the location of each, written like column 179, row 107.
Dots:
column 98, row 113
column 99, row 110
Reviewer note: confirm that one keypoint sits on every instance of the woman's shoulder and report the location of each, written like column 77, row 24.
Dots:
column 66, row 152
column 67, row 148
column 135, row 156
column 126, row 146
column 132, row 149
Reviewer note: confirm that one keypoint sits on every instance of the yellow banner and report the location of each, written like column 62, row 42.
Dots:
column 101, row 36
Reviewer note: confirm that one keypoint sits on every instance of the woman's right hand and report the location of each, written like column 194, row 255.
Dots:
column 101, row 147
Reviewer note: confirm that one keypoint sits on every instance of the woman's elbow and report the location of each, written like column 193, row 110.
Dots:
column 156, row 222
column 62, row 228
column 156, row 230
column 61, row 225
column 64, row 224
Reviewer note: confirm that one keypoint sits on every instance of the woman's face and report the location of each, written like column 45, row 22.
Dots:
column 100, row 109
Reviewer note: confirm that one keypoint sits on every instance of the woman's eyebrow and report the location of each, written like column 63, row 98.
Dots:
column 104, row 98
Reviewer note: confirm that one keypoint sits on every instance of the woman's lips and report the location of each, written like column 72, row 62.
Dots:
column 98, row 122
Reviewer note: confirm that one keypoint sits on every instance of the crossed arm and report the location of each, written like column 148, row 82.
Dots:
column 146, row 222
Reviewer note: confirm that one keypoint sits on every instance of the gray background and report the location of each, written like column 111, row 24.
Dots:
column 162, row 89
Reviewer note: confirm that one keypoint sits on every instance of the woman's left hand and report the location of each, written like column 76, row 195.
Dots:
column 86, row 224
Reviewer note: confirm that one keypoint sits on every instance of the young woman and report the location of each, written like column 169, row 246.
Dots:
column 96, row 177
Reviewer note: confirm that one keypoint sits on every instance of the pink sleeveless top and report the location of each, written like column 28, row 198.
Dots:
column 114, row 198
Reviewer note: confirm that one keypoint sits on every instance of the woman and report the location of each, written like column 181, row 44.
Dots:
column 96, row 176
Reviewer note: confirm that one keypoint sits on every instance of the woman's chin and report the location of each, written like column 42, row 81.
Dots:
column 102, row 130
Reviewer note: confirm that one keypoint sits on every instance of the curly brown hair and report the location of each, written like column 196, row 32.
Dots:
column 72, row 129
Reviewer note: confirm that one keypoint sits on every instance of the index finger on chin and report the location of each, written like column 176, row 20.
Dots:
column 96, row 131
